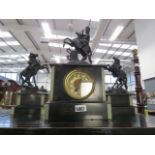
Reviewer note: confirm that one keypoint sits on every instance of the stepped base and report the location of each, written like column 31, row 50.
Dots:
column 67, row 112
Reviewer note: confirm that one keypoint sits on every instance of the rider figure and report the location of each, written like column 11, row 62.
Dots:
column 84, row 37
column 81, row 44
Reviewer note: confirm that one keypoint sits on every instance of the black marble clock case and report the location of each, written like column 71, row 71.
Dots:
column 62, row 107
column 60, row 73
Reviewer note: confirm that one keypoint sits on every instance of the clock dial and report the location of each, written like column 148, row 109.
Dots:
column 79, row 84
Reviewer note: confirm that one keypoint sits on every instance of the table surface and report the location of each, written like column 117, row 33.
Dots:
column 139, row 124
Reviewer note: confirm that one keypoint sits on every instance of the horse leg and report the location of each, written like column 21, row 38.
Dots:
column 126, row 87
column 89, row 58
column 115, row 84
column 125, row 84
column 34, row 80
column 27, row 81
column 22, row 79
column 89, row 55
column 83, row 55
column 120, row 85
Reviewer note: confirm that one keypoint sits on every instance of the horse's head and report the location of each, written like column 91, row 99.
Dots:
column 67, row 41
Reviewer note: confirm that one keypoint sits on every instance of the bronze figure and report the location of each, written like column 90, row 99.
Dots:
column 81, row 44
column 116, row 70
column 31, row 70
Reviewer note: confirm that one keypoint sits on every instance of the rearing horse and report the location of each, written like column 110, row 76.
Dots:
column 30, row 72
column 120, row 75
column 121, row 80
column 85, row 50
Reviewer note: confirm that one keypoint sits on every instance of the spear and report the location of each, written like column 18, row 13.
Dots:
column 89, row 23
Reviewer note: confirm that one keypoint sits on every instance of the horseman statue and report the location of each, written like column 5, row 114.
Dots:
column 80, row 44
column 31, row 70
column 116, row 70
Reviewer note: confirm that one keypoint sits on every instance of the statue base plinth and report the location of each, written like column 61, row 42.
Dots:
column 120, row 104
column 117, row 91
column 29, row 103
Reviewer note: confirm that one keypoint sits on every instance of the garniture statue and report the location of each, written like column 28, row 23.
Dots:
column 116, row 70
column 80, row 44
column 31, row 70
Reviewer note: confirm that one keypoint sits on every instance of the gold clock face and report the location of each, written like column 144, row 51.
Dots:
column 79, row 84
